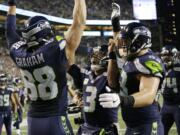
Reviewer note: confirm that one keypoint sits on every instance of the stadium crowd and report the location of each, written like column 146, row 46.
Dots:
column 101, row 97
column 95, row 9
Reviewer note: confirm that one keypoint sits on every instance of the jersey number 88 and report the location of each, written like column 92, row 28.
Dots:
column 40, row 83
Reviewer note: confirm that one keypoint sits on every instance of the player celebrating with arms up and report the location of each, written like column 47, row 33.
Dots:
column 141, row 76
column 43, row 60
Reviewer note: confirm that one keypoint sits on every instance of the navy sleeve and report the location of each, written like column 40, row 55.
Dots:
column 75, row 72
column 11, row 34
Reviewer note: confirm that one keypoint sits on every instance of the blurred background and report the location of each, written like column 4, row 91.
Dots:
column 160, row 15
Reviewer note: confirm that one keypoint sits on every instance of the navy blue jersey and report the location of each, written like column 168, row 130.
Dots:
column 93, row 86
column 171, row 91
column 5, row 100
column 148, row 64
column 43, row 71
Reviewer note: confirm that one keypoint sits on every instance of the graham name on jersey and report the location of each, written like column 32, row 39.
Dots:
column 30, row 61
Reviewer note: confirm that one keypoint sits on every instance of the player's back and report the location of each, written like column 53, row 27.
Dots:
column 44, row 73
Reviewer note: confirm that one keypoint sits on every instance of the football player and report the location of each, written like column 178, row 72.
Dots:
column 18, row 93
column 93, row 82
column 171, row 89
column 141, row 76
column 43, row 59
column 6, row 100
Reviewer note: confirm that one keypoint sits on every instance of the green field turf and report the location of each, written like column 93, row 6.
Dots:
column 75, row 127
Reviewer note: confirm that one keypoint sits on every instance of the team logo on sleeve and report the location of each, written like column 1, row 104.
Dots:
column 154, row 66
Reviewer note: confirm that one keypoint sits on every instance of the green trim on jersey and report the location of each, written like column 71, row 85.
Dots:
column 154, row 128
column 59, row 38
column 64, row 124
column 102, row 132
column 154, row 66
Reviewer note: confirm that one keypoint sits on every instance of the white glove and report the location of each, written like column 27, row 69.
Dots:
column 109, row 100
column 116, row 11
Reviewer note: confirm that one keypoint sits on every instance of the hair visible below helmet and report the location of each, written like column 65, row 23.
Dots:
column 139, row 36
column 37, row 30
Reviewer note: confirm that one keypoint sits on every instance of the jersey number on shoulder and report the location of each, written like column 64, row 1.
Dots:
column 90, row 102
column 41, row 83
column 172, row 83
column 4, row 100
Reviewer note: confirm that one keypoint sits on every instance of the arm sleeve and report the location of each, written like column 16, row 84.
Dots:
column 77, row 76
column 11, row 34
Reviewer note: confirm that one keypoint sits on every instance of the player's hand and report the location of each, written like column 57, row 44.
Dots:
column 111, row 45
column 77, row 100
column 11, row 2
column 109, row 100
column 116, row 12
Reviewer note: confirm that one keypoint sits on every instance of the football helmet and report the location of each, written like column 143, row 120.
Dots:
column 3, row 79
column 37, row 29
column 134, row 37
column 168, row 53
column 99, row 58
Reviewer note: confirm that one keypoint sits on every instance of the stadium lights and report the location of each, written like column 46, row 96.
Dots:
column 98, row 33
column 55, row 19
column 108, row 33
column 92, row 33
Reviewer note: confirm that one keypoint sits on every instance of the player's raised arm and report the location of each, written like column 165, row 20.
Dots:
column 112, row 64
column 11, row 34
column 115, row 18
column 74, row 33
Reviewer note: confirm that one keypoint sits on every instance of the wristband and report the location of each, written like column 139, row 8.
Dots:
column 127, row 101
column 112, row 55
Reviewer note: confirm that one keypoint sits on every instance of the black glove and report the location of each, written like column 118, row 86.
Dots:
column 115, row 17
column 11, row 2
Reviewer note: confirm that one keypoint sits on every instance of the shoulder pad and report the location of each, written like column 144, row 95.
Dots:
column 18, row 44
column 151, row 65
column 62, row 44
column 61, row 41
column 59, row 38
